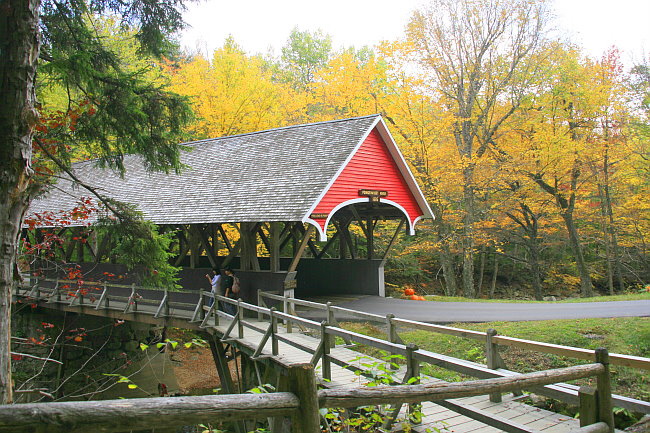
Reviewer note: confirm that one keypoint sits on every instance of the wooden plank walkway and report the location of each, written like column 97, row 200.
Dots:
column 437, row 417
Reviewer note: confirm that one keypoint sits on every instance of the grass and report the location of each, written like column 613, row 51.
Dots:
column 624, row 297
column 630, row 336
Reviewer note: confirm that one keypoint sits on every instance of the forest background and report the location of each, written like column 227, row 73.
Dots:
column 533, row 155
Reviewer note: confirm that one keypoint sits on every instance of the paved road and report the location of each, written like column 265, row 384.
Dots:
column 449, row 312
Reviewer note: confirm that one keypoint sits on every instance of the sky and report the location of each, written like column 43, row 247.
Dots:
column 263, row 26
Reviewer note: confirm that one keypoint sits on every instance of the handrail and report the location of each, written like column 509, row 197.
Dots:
column 569, row 351
column 342, row 397
column 302, row 402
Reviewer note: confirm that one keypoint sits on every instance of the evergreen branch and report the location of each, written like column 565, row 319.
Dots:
column 105, row 201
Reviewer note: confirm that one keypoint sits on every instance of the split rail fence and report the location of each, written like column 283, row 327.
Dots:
column 302, row 404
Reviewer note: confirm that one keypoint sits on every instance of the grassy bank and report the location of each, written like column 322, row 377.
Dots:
column 630, row 336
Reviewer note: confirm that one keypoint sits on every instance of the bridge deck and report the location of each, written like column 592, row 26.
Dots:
column 436, row 417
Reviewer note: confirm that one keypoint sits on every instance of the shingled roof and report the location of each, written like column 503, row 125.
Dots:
column 272, row 175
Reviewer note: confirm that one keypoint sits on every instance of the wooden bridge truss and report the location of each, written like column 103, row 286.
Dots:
column 273, row 343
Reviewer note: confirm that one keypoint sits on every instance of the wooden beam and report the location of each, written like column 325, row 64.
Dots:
column 286, row 235
column 248, row 234
column 328, row 245
column 233, row 253
column 310, row 243
column 183, row 247
column 195, row 247
column 200, row 231
column 358, row 218
column 301, row 248
column 392, row 241
column 264, row 238
column 345, row 232
column 222, row 232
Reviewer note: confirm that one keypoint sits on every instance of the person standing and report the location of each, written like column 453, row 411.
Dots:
column 214, row 282
column 227, row 285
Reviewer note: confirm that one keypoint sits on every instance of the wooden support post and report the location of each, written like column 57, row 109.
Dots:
column 604, row 387
column 393, row 337
column 219, row 357
column 302, row 382
column 492, row 359
column 260, row 303
column 220, row 361
column 285, row 309
column 413, row 376
column 240, row 319
column 163, row 308
column 331, row 320
column 588, row 405
column 370, row 237
column 199, row 314
column 274, row 331
column 195, row 248
column 274, row 233
column 103, row 299
column 325, row 360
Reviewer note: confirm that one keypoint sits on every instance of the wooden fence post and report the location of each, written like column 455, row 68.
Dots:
column 604, row 387
column 492, row 359
column 240, row 319
column 331, row 320
column 325, row 360
column 393, row 337
column 413, row 372
column 302, row 382
column 260, row 303
column 285, row 309
column 274, row 331
column 588, row 405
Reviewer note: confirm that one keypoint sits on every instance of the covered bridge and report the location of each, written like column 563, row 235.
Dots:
column 277, row 205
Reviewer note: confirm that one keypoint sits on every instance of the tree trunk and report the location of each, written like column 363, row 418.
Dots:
column 493, row 286
column 468, row 234
column 606, row 241
column 574, row 240
column 535, row 268
column 447, row 261
column 481, row 272
column 19, row 45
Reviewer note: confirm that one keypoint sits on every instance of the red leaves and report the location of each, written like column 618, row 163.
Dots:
column 15, row 357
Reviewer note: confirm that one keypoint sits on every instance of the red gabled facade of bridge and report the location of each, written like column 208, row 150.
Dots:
column 372, row 167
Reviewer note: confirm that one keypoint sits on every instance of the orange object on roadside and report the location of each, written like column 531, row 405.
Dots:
column 409, row 292
column 414, row 298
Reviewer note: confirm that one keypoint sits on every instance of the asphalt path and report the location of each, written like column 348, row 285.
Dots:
column 449, row 312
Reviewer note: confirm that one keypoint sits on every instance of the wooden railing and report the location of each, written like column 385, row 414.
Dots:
column 302, row 404
column 205, row 315
column 495, row 365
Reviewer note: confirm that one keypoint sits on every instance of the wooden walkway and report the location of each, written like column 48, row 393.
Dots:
column 275, row 337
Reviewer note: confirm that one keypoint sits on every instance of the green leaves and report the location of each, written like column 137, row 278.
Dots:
column 123, row 379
